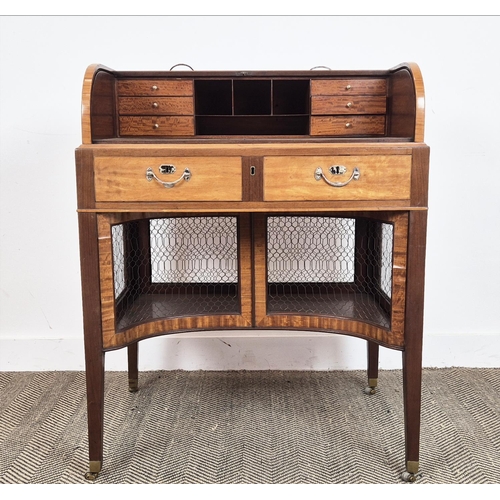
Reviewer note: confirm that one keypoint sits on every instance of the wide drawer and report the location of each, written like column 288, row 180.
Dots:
column 352, row 86
column 156, row 125
column 348, row 125
column 345, row 105
column 122, row 179
column 155, row 106
column 297, row 178
column 147, row 87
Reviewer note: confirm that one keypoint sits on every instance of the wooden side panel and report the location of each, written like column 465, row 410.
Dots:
column 407, row 102
column 85, row 178
column 102, row 108
column 92, row 97
column 399, row 266
column 420, row 177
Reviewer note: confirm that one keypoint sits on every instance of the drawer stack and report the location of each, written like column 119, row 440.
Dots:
column 156, row 107
column 348, row 107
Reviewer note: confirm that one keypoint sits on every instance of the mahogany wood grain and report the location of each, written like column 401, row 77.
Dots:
column 155, row 87
column 414, row 317
column 360, row 86
column 348, row 125
column 85, row 190
column 94, row 353
column 345, row 105
column 156, row 125
column 155, row 106
column 372, row 360
column 252, row 178
column 406, row 94
column 88, row 94
column 420, row 176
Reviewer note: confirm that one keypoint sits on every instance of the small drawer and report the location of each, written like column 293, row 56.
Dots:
column 348, row 125
column 148, row 87
column 157, row 125
column 377, row 86
column 343, row 105
column 296, row 178
column 155, row 106
column 122, row 179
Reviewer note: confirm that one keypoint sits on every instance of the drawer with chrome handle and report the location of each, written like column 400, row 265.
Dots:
column 325, row 178
column 158, row 179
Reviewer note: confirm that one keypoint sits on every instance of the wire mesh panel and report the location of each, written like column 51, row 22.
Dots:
column 172, row 267
column 330, row 266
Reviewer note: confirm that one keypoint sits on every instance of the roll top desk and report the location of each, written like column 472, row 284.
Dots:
column 253, row 200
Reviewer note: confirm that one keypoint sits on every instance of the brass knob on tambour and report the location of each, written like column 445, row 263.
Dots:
column 348, row 105
column 155, row 105
column 156, row 126
column 348, row 87
column 348, row 125
column 154, row 87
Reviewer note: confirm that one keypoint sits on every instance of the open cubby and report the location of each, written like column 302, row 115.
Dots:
column 252, row 97
column 291, row 97
column 174, row 267
column 213, row 97
column 330, row 266
column 252, row 107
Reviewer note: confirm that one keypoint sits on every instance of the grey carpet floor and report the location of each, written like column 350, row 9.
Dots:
column 263, row 427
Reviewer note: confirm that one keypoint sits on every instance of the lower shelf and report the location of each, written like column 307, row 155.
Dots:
column 355, row 306
column 153, row 307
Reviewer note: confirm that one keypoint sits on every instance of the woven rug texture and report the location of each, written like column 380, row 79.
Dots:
column 254, row 427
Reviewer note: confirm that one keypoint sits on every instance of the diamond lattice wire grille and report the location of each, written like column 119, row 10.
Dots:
column 172, row 267
column 330, row 266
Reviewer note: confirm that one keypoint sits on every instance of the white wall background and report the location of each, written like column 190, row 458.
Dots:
column 43, row 60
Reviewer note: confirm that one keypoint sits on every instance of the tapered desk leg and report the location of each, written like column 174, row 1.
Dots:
column 412, row 354
column 133, row 366
column 95, row 413
column 373, row 349
column 94, row 354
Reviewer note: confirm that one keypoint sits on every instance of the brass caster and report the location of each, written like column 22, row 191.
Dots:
column 91, row 476
column 133, row 385
column 408, row 477
column 370, row 390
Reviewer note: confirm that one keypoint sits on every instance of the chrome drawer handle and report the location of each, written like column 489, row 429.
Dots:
column 318, row 175
column 150, row 175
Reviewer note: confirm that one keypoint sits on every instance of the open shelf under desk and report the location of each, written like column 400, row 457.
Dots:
column 159, row 306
